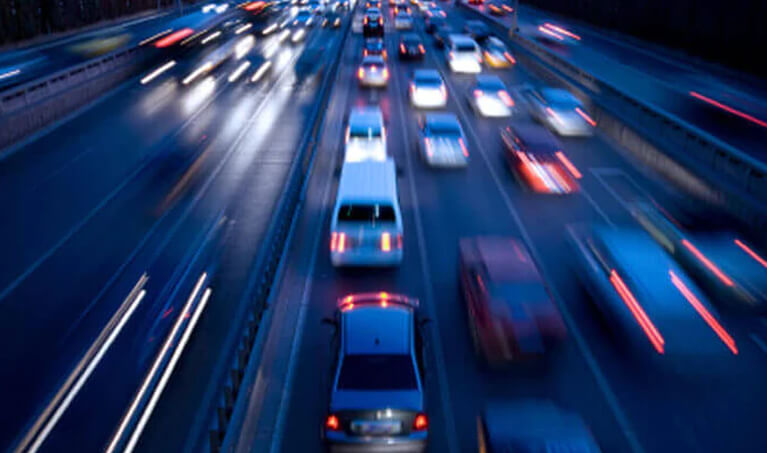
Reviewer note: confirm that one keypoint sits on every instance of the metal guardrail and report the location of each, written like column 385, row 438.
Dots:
column 269, row 259
column 736, row 181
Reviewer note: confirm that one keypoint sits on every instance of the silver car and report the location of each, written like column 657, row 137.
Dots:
column 560, row 111
column 373, row 71
column 442, row 142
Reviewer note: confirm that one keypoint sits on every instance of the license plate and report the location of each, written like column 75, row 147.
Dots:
column 376, row 428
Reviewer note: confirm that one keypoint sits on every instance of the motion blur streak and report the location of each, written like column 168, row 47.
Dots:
column 644, row 321
column 153, row 75
column 585, row 116
column 705, row 314
column 10, row 74
column 199, row 94
column 211, row 37
column 261, row 71
column 155, row 36
column 243, row 28
column 710, row 265
column 269, row 29
column 105, row 340
column 169, row 370
column 243, row 46
column 238, row 72
column 569, row 165
column 751, row 253
column 550, row 33
column 563, row 31
column 729, row 109
column 197, row 72
column 173, row 38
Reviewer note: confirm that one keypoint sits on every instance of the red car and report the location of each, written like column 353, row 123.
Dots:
column 511, row 314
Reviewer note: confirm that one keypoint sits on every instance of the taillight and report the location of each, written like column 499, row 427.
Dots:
column 510, row 58
column 506, row 98
column 386, row 73
column 332, row 423
column 361, row 73
column 450, row 54
column 365, row 53
column 367, row 19
column 463, row 148
column 338, row 242
column 380, row 21
column 478, row 93
column 420, row 48
column 420, row 423
column 402, row 48
column 386, row 242
column 399, row 241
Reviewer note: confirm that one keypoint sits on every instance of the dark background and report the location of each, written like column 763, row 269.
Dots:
column 732, row 33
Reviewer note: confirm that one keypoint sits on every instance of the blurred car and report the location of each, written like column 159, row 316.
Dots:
column 532, row 426
column 477, row 30
column 432, row 23
column 372, row 24
column 373, row 71
column 303, row 18
column 331, row 20
column 402, row 8
column 374, row 46
column 536, row 159
column 511, row 314
column 435, row 11
column 489, row 97
column 727, row 266
column 496, row 54
column 496, row 9
column 403, row 21
column 559, row 110
column 463, row 54
column 555, row 34
column 411, row 47
column 365, row 135
column 647, row 299
column 427, row 89
column 377, row 394
column 442, row 142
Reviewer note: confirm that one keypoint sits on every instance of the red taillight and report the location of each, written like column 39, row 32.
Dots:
column 365, row 53
column 421, row 49
column 386, row 242
column 478, row 93
column 402, row 48
column 173, row 38
column 332, row 423
column 420, row 423
column 385, row 73
column 361, row 73
column 338, row 242
column 510, row 58
column 585, row 117
column 380, row 21
column 367, row 20
column 463, row 148
column 506, row 98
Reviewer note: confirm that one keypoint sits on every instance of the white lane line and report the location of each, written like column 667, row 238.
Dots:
column 121, row 318
column 439, row 356
column 759, row 342
column 599, row 376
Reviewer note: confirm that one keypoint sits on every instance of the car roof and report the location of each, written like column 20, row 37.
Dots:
column 442, row 119
column 485, row 79
column 558, row 95
column 366, row 117
column 372, row 329
column 536, row 136
column 426, row 73
column 368, row 182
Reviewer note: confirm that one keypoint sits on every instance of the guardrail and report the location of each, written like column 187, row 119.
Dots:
column 698, row 162
column 269, row 259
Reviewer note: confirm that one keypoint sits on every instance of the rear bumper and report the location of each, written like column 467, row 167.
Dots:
column 366, row 258
column 370, row 445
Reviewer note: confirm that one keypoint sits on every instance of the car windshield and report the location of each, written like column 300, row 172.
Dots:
column 428, row 80
column 365, row 132
column 560, row 99
column 377, row 372
column 444, row 129
column 465, row 47
column 366, row 213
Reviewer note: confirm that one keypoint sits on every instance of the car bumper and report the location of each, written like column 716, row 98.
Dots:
column 493, row 108
column 345, row 444
column 373, row 82
column 428, row 101
column 366, row 258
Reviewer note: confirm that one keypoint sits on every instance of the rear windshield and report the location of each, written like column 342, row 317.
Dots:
column 366, row 213
column 377, row 372
column 365, row 132
column 428, row 80
column 465, row 47
column 444, row 128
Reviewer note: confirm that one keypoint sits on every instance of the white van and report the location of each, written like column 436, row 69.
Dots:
column 463, row 54
column 365, row 135
column 366, row 227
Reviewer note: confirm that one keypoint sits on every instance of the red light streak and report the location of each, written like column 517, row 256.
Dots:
column 569, row 165
column 562, row 30
column 705, row 314
column 173, row 38
column 729, row 109
column 639, row 314
column 550, row 33
column 585, row 116
column 751, row 253
column 711, row 266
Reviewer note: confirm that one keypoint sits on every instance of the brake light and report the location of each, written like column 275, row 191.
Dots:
column 463, row 148
column 510, row 58
column 639, row 314
column 585, row 117
column 450, row 54
column 367, row 19
column 421, row 422
column 420, row 48
column 338, row 242
column 386, row 242
column 399, row 241
column 386, row 73
column 478, row 93
column 365, row 53
column 506, row 98
column 361, row 73
column 332, row 423
column 402, row 48
column 385, row 54
column 380, row 21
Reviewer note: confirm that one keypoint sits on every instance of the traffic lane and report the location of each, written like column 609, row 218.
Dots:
column 468, row 203
column 308, row 404
column 673, row 97
column 256, row 178
column 70, row 312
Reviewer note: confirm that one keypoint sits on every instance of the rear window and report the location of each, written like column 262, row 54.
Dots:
column 365, row 132
column 428, row 80
column 444, row 128
column 366, row 213
column 377, row 372
column 465, row 47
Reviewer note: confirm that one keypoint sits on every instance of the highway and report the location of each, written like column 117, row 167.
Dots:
column 169, row 188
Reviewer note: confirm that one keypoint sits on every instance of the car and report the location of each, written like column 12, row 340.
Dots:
column 331, row 20
column 427, row 89
column 373, row 4
column 366, row 227
column 730, row 268
column 374, row 46
column 411, row 47
column 559, row 110
column 372, row 24
column 432, row 23
column 477, row 30
column 647, row 300
column 536, row 159
column 377, row 398
column 373, row 71
column 442, row 142
column 442, row 34
column 496, row 54
column 403, row 8
column 315, row 7
column 365, row 137
column 435, row 11
column 511, row 313
column 532, row 425
column 489, row 97
column 403, row 21
column 496, row 9
column 303, row 18
column 463, row 54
